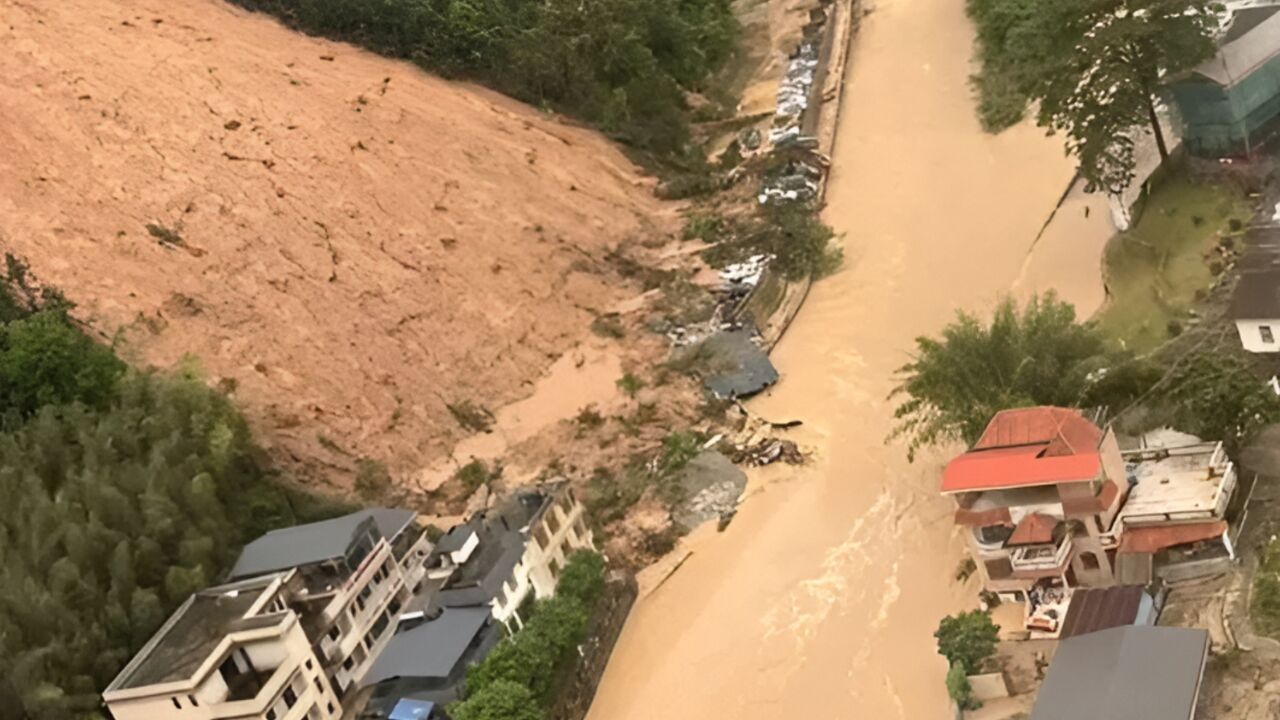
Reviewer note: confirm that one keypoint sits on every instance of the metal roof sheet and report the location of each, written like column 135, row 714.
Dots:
column 303, row 545
column 431, row 650
column 1125, row 673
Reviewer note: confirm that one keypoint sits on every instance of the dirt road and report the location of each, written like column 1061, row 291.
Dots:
column 821, row 598
column 346, row 241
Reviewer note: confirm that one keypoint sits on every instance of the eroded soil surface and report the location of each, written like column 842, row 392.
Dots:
column 346, row 242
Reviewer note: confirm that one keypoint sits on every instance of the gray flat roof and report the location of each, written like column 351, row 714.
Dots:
column 431, row 650
column 187, row 638
column 303, row 545
column 1125, row 673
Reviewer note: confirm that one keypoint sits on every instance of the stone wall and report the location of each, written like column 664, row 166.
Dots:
column 578, row 682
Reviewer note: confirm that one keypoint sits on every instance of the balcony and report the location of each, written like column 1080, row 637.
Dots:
column 1036, row 560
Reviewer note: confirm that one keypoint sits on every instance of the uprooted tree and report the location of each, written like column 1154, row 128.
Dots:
column 1092, row 68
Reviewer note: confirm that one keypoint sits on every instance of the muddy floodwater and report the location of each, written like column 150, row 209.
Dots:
column 820, row 599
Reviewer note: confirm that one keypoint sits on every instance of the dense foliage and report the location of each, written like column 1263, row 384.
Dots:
column 1090, row 68
column 529, row 659
column 1039, row 356
column 967, row 639
column 621, row 64
column 1216, row 396
column 120, row 493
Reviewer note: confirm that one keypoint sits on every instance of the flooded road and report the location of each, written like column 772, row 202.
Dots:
column 821, row 598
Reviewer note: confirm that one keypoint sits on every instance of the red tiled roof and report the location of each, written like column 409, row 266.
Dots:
column 1065, row 430
column 1026, row 447
column 1154, row 539
column 1034, row 529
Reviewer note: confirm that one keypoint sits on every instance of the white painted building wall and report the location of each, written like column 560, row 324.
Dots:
column 1254, row 335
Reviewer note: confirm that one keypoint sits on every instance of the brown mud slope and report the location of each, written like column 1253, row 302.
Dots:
column 347, row 241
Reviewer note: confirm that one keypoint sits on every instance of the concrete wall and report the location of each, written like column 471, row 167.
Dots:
column 1250, row 332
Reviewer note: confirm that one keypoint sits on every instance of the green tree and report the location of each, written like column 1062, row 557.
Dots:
column 954, row 384
column 967, row 639
column 1216, row 396
column 1091, row 68
column 502, row 700
column 959, row 689
column 44, row 360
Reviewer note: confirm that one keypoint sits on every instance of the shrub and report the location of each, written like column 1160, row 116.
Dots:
column 630, row 384
column 958, row 687
column 500, row 700
column 609, row 326
column 472, row 417
column 474, row 474
column 372, row 480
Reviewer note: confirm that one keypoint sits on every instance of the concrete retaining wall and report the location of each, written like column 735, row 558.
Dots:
column 578, row 683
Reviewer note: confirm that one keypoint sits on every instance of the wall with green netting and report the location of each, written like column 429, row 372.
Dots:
column 1216, row 121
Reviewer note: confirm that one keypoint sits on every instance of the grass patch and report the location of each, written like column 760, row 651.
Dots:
column 1264, row 606
column 1155, row 270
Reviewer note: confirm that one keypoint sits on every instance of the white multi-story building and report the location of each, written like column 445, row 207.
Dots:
column 307, row 611
column 500, row 557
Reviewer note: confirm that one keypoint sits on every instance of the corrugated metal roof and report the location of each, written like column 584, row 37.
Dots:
column 1094, row 609
column 1155, row 539
column 1125, row 673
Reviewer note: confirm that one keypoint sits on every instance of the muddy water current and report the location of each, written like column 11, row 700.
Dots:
column 820, row 599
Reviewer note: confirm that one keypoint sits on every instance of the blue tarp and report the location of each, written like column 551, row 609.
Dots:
column 411, row 710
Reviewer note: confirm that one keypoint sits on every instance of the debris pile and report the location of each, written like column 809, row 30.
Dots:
column 768, row 451
column 712, row 486
column 738, row 279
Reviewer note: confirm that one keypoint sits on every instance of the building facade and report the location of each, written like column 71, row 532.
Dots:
column 307, row 612
column 1048, row 499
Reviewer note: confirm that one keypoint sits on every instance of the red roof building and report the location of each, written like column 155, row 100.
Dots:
column 1027, row 447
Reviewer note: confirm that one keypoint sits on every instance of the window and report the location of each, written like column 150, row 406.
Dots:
column 310, row 664
column 1089, row 560
column 334, row 632
column 348, row 663
column 192, row 699
column 271, row 714
column 1267, row 336
column 176, row 703
column 319, row 685
column 330, row 708
column 290, row 697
